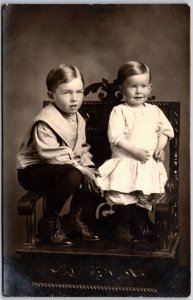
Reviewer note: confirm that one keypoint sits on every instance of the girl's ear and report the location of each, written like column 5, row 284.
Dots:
column 121, row 89
column 50, row 95
column 150, row 87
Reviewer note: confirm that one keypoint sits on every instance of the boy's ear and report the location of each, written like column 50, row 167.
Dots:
column 50, row 95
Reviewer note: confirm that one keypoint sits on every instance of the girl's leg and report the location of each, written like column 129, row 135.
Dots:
column 145, row 229
column 124, row 222
column 145, row 201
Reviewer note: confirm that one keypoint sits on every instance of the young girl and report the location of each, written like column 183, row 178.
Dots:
column 138, row 133
column 54, row 158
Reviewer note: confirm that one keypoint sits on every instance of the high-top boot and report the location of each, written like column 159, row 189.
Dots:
column 81, row 217
column 50, row 231
column 123, row 223
column 76, row 226
column 144, row 228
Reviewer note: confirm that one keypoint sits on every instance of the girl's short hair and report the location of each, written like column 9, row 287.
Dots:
column 132, row 68
column 62, row 74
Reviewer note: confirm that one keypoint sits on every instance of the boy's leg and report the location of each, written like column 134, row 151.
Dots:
column 57, row 182
column 81, row 220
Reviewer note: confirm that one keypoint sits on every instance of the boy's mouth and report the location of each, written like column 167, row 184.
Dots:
column 73, row 106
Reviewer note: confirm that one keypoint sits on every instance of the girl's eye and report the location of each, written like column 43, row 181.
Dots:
column 132, row 86
column 80, row 92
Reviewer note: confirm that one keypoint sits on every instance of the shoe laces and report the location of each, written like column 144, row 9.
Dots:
column 58, row 227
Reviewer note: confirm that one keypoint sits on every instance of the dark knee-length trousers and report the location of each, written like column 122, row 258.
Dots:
column 57, row 182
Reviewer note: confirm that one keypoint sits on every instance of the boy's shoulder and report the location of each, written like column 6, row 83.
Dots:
column 46, row 111
column 51, row 115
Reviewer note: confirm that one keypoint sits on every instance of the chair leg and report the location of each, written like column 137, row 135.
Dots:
column 31, row 229
column 44, row 205
column 163, row 229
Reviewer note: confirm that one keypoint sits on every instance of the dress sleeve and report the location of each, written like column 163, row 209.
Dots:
column 116, row 127
column 163, row 125
column 49, row 148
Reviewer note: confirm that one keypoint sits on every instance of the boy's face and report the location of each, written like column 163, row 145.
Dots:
column 136, row 88
column 68, row 96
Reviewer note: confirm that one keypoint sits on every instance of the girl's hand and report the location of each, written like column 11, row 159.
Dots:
column 141, row 154
column 159, row 154
column 90, row 175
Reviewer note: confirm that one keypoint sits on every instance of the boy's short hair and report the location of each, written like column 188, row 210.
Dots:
column 132, row 68
column 62, row 74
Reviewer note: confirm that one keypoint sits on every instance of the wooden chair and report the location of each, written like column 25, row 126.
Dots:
column 132, row 272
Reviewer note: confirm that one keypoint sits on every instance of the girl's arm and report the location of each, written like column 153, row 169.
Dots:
column 159, row 151
column 116, row 135
column 139, row 153
column 165, row 132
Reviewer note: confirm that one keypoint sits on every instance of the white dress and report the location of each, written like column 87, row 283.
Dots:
column 123, row 174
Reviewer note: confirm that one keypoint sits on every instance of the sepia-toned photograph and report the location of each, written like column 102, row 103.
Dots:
column 96, row 150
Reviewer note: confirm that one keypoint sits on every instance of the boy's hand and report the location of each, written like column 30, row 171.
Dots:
column 159, row 154
column 90, row 175
column 95, row 171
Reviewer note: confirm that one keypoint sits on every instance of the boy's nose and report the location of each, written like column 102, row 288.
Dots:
column 73, row 97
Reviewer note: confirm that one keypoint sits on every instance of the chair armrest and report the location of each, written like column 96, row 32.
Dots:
column 27, row 202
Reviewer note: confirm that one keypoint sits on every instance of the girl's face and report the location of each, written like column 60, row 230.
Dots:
column 68, row 96
column 136, row 88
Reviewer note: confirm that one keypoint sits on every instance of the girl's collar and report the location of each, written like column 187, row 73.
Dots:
column 137, row 107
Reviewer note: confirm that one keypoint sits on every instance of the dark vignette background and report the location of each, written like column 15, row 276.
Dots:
column 98, row 39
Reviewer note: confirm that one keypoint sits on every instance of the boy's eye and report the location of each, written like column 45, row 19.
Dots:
column 80, row 92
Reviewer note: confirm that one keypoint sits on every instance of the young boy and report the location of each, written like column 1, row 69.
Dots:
column 54, row 158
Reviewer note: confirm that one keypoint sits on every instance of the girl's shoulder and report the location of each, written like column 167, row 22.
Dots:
column 120, row 107
column 152, row 107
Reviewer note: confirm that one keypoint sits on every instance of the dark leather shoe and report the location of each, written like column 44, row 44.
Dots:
column 59, row 238
column 50, row 232
column 76, row 228
column 144, row 228
column 124, row 233
column 146, row 231
column 82, row 233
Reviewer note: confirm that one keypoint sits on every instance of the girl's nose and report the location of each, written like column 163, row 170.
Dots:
column 138, row 89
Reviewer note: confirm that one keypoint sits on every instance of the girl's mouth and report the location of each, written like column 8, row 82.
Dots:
column 138, row 98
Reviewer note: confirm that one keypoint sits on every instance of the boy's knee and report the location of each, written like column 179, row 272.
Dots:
column 74, row 177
